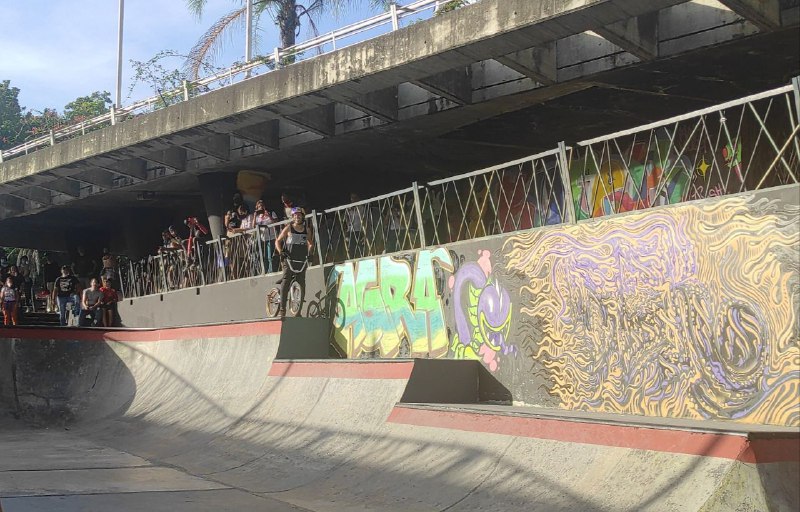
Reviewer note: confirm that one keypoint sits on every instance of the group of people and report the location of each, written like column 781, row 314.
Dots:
column 94, row 305
column 16, row 286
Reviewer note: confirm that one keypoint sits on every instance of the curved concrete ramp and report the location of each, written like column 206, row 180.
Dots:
column 206, row 418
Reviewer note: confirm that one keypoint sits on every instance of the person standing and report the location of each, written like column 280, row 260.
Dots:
column 51, row 273
column 65, row 290
column 9, row 297
column 294, row 245
column 264, row 220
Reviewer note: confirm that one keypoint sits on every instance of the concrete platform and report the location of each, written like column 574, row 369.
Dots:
column 208, row 419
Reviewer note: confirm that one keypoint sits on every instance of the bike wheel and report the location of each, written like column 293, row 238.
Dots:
column 273, row 302
column 295, row 295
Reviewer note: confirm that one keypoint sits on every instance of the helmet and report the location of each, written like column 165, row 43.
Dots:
column 297, row 210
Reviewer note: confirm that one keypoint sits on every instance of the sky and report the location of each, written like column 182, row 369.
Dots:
column 57, row 50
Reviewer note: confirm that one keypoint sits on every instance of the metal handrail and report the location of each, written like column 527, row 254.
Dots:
column 392, row 16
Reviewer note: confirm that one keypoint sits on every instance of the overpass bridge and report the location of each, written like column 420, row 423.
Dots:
column 481, row 85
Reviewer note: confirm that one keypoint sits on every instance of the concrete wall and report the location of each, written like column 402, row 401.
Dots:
column 686, row 311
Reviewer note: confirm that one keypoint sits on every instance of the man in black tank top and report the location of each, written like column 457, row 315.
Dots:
column 294, row 245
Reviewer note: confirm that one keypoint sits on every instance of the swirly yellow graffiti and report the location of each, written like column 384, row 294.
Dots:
column 688, row 312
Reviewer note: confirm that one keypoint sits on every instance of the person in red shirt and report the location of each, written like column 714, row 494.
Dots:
column 107, row 303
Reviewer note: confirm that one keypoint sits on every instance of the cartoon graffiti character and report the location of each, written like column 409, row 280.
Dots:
column 482, row 314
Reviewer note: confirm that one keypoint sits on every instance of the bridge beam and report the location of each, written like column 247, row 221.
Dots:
column 96, row 176
column 320, row 120
column 538, row 64
column 264, row 134
column 34, row 194
column 765, row 14
column 66, row 186
column 174, row 158
column 453, row 84
column 216, row 146
column 134, row 168
column 637, row 36
column 381, row 104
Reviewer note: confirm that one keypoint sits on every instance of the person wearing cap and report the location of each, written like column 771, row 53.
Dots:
column 66, row 289
column 294, row 244
column 109, row 264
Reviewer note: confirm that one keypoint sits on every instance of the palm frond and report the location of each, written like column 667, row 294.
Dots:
column 211, row 43
column 196, row 7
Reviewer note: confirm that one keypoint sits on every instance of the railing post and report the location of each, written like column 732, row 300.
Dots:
column 569, row 201
column 418, row 208
column 795, row 87
column 122, row 282
column 220, row 260
column 276, row 55
column 165, row 287
column 315, row 224
column 185, row 90
column 52, row 137
column 132, row 277
column 83, row 127
column 113, row 111
column 395, row 21
column 1, row 156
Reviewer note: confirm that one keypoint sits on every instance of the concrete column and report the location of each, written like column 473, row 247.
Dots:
column 214, row 188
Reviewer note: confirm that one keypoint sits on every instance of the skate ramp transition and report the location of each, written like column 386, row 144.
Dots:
column 253, row 416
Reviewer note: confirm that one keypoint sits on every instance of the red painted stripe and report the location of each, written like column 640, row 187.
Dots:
column 729, row 446
column 233, row 330
column 342, row 369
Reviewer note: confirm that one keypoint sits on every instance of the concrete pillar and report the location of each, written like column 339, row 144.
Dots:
column 214, row 188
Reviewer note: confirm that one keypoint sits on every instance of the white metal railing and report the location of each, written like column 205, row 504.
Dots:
column 325, row 43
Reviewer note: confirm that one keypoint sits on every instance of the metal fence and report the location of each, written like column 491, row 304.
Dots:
column 743, row 145
column 748, row 144
column 372, row 27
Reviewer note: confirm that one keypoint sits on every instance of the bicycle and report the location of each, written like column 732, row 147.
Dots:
column 294, row 300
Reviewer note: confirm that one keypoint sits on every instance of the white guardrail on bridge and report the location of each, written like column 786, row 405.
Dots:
column 337, row 39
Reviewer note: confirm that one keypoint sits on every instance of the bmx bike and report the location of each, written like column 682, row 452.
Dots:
column 295, row 299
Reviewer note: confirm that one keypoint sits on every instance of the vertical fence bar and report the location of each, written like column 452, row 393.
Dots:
column 185, row 90
column 795, row 88
column 52, row 137
column 315, row 224
column 1, row 156
column 569, row 201
column 393, row 11
column 122, row 283
column 420, row 226
column 164, row 288
column 276, row 55
column 113, row 111
column 219, row 258
column 132, row 276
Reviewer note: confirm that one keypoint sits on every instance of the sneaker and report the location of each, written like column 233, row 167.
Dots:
column 282, row 313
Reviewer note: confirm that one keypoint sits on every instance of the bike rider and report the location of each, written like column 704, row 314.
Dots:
column 294, row 246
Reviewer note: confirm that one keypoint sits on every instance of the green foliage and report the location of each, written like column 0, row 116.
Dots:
column 165, row 81
column 451, row 5
column 87, row 107
column 10, row 115
column 18, row 125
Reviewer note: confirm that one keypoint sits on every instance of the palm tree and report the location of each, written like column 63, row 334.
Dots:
column 286, row 15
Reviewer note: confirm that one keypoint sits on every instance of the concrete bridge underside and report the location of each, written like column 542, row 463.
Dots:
column 482, row 85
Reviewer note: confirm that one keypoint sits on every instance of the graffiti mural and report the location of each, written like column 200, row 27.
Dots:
column 683, row 312
column 391, row 306
column 667, row 169
column 482, row 311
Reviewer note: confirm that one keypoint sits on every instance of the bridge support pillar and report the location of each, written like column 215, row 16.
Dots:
column 213, row 187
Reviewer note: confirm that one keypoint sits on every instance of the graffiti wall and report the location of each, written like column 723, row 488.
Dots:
column 687, row 311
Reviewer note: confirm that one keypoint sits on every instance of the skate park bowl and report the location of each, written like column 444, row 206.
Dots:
column 255, row 416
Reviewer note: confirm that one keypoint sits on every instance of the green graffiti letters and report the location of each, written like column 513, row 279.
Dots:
column 388, row 302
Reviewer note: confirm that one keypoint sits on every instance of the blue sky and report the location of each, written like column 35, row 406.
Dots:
column 57, row 50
